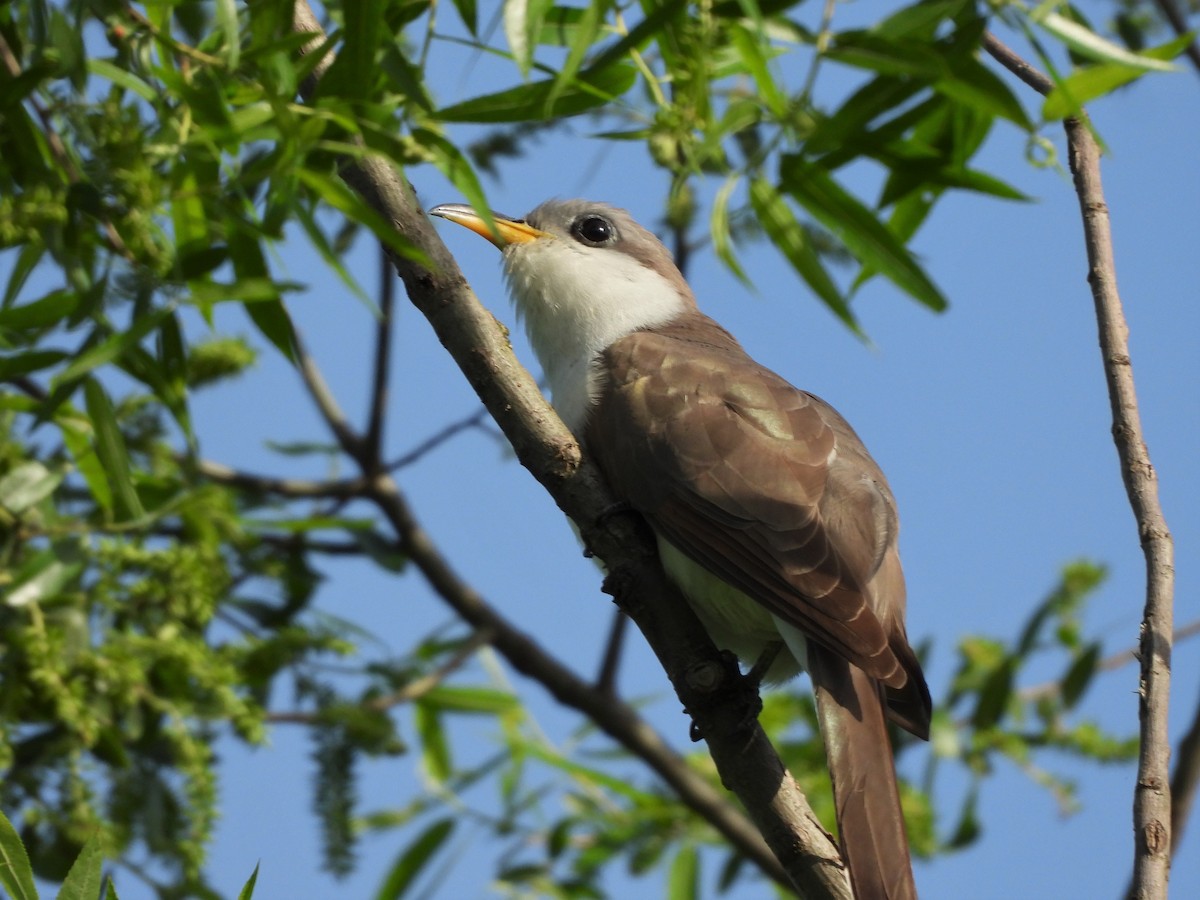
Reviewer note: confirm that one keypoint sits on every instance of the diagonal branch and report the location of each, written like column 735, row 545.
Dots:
column 744, row 758
column 1152, row 795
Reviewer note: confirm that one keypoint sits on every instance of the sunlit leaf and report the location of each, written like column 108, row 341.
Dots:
column 858, row 228
column 788, row 234
column 16, row 874
column 1079, row 675
column 247, row 891
column 1087, row 43
column 84, row 878
column 27, row 484
column 110, row 448
column 528, row 102
column 414, row 858
column 719, row 226
column 435, row 750
column 683, row 879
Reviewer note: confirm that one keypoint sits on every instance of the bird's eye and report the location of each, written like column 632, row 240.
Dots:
column 594, row 229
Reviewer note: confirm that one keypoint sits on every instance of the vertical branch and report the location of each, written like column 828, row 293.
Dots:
column 1152, row 795
column 373, row 439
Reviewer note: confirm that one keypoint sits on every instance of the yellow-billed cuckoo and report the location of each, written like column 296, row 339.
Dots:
column 770, row 515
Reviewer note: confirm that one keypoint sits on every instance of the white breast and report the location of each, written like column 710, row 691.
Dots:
column 575, row 301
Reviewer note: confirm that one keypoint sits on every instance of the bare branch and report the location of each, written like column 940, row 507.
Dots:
column 349, row 440
column 383, row 357
column 431, row 443
column 1108, row 664
column 295, row 488
column 1009, row 58
column 414, row 690
column 1152, row 795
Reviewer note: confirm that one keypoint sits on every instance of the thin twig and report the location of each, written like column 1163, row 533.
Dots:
column 413, row 691
column 383, row 358
column 435, row 440
column 348, row 439
column 295, row 488
column 1152, row 795
column 607, row 679
column 1108, row 664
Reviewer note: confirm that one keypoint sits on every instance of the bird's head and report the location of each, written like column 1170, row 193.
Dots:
column 582, row 267
column 582, row 275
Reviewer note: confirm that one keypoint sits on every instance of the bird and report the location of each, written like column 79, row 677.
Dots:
column 769, row 514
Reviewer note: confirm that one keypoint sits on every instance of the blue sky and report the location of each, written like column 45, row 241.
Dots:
column 991, row 421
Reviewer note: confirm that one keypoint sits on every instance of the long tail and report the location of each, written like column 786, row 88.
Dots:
column 867, row 800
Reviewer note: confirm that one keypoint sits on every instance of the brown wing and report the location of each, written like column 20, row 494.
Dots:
column 764, row 485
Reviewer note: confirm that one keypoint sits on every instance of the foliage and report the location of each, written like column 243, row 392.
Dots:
column 83, row 881
column 152, row 158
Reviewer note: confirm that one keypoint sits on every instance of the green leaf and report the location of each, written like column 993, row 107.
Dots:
column 334, row 192
column 994, row 696
column 76, row 432
column 16, row 875
column 33, row 361
column 83, row 879
column 435, row 751
column 918, row 20
column 522, row 24
column 1087, row 43
column 123, row 78
column 483, row 700
column 110, row 449
column 247, row 891
column 683, row 881
column 469, row 15
column 226, row 19
column 26, row 484
column 113, row 346
column 788, row 234
column 867, row 50
column 44, row 312
column 529, row 101
column 577, row 51
column 354, row 70
column 415, row 857
column 858, row 228
column 43, row 576
column 1069, row 96
column 978, row 87
column 27, row 260
column 752, row 47
column 719, row 226
column 450, row 161
column 560, row 27
column 1079, row 675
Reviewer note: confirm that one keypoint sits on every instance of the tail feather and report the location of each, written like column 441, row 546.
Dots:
column 866, row 797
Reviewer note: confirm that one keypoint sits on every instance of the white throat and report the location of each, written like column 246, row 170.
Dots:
column 575, row 302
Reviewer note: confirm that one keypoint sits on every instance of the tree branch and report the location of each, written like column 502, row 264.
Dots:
column 293, row 488
column 1152, row 795
column 544, row 446
column 414, row 690
column 373, row 440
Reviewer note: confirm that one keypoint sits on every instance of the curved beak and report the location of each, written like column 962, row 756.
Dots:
column 506, row 230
